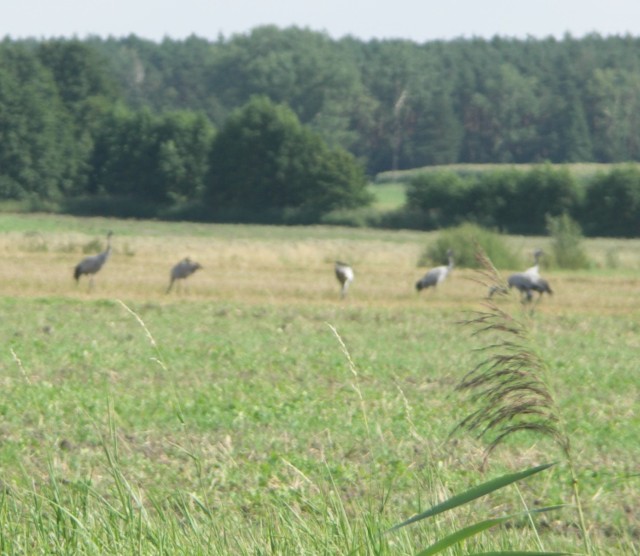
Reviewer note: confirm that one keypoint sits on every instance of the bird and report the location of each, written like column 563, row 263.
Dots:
column 436, row 275
column 185, row 268
column 345, row 275
column 91, row 265
column 527, row 282
column 537, row 284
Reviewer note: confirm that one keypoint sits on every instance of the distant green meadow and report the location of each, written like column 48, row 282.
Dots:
column 254, row 412
column 388, row 196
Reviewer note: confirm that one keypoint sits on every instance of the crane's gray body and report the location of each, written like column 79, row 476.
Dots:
column 91, row 265
column 185, row 268
column 526, row 284
column 436, row 275
column 345, row 275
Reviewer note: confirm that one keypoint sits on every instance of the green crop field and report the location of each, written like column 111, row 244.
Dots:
column 253, row 412
column 388, row 196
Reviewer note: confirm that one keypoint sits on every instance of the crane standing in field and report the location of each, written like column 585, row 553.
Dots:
column 436, row 275
column 91, row 265
column 185, row 268
column 345, row 275
column 528, row 281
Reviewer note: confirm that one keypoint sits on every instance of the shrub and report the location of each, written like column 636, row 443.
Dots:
column 463, row 240
column 566, row 243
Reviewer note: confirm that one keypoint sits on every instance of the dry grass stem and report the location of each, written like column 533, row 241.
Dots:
column 508, row 386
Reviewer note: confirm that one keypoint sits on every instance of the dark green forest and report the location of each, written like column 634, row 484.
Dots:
column 287, row 124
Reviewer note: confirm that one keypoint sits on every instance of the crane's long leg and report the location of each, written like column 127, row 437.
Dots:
column 343, row 291
column 538, row 300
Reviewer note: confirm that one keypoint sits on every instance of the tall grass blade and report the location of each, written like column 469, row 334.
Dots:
column 474, row 493
column 476, row 528
column 520, row 553
column 461, row 535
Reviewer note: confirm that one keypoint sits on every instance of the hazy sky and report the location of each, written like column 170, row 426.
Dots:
column 418, row 20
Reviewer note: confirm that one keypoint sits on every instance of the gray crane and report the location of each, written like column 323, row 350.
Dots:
column 91, row 265
column 436, row 275
column 185, row 268
column 527, row 282
column 345, row 275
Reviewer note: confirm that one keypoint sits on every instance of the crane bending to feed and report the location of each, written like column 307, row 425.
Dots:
column 436, row 275
column 345, row 275
column 185, row 268
column 91, row 265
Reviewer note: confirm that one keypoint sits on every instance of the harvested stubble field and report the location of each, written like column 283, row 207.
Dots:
column 227, row 417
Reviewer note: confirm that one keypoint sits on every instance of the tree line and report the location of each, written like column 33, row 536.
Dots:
column 68, row 137
column 398, row 104
column 85, row 119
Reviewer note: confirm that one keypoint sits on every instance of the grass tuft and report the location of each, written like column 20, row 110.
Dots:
column 509, row 387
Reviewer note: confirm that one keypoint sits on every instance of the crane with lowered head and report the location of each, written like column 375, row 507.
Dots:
column 185, row 268
column 436, row 275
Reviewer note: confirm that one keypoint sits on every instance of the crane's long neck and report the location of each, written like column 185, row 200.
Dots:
column 536, row 265
column 107, row 251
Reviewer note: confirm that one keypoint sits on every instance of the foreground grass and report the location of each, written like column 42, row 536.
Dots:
column 229, row 419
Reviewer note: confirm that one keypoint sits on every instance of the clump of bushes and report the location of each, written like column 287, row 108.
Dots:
column 566, row 243
column 441, row 196
column 464, row 240
column 515, row 200
column 518, row 201
column 612, row 203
